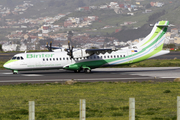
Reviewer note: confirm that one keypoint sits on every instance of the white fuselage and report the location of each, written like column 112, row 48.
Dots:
column 59, row 60
column 53, row 60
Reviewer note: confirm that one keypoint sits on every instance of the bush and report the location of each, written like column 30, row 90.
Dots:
column 167, row 91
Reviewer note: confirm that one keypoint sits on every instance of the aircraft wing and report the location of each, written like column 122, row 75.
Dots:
column 98, row 51
column 88, row 52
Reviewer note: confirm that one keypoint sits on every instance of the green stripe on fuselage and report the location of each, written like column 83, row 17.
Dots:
column 154, row 35
column 10, row 61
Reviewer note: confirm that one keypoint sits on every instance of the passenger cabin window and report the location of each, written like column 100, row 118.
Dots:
column 54, row 59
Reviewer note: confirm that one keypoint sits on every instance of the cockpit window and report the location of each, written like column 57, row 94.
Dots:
column 14, row 58
column 17, row 58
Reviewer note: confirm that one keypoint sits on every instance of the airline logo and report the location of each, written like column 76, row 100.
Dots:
column 39, row 55
column 134, row 51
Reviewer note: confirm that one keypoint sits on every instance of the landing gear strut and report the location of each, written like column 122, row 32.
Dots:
column 15, row 71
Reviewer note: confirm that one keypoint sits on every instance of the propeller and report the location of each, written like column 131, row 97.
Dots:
column 70, row 50
column 49, row 48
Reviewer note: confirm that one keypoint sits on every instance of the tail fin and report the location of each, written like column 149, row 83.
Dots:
column 156, row 37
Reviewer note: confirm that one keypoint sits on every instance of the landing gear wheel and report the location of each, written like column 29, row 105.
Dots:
column 15, row 72
column 77, row 71
column 87, row 71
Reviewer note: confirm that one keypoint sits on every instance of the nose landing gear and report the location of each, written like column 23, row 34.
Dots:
column 15, row 71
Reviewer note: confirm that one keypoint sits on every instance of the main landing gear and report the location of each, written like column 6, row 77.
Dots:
column 86, row 70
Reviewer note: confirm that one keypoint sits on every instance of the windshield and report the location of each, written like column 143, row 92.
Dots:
column 17, row 58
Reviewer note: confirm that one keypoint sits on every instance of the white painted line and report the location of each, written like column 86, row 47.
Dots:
column 7, row 73
column 169, row 77
column 31, row 75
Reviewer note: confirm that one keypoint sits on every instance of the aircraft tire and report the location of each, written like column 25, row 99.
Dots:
column 77, row 71
column 87, row 70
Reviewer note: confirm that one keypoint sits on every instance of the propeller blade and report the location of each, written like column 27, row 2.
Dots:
column 70, row 51
column 69, row 45
column 50, row 49
column 47, row 45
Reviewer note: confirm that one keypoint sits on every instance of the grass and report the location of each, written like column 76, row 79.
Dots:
column 104, row 100
column 1, row 64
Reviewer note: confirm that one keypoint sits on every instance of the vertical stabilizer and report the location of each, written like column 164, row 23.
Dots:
column 156, row 37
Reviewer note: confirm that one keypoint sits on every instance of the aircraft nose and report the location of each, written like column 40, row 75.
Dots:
column 6, row 65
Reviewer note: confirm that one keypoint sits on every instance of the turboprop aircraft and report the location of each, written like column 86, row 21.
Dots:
column 88, row 59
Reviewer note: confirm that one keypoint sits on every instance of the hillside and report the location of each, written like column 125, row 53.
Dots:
column 53, row 7
column 106, row 17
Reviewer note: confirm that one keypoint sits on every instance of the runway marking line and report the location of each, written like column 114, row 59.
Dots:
column 7, row 73
column 32, row 75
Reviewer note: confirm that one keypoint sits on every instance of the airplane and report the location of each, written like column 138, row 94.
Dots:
column 85, row 60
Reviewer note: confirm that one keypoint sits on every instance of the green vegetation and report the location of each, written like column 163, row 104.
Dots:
column 1, row 64
column 104, row 100
column 1, row 48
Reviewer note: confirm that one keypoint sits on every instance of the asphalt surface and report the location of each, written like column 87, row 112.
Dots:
column 156, row 74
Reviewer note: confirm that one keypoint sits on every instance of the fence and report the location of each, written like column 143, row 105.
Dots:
column 82, row 110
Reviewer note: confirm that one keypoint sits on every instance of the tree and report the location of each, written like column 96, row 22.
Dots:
column 169, row 46
column 1, row 48
column 148, row 6
column 80, row 3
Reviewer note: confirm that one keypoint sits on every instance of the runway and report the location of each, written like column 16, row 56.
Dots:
column 159, row 74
